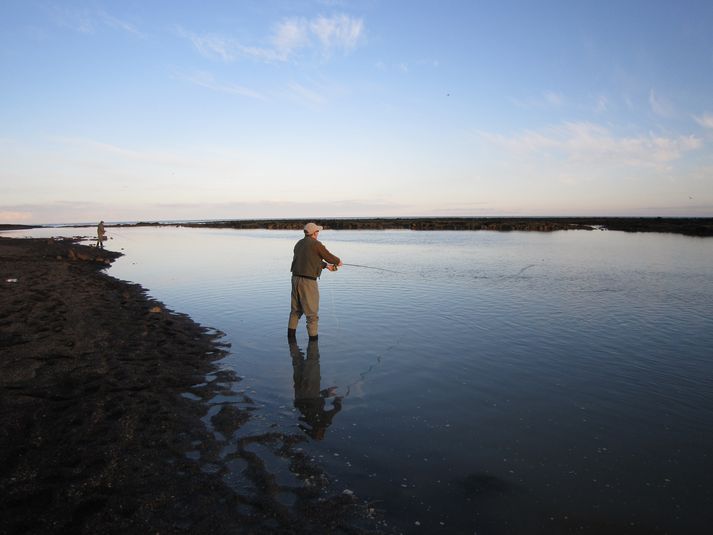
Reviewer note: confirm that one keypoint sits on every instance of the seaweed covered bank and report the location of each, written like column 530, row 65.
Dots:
column 690, row 226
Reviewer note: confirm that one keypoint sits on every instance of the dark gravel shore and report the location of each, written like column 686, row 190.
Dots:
column 108, row 422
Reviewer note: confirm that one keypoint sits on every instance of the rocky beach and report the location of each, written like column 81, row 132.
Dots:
column 115, row 414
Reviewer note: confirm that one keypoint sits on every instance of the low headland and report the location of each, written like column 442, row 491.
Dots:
column 691, row 226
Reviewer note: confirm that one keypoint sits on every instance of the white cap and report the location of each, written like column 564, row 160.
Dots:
column 311, row 228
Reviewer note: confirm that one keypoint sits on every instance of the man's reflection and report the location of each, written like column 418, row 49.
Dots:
column 309, row 399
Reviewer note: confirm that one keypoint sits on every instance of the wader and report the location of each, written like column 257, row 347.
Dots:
column 304, row 300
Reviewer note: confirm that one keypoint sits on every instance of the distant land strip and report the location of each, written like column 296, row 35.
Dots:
column 690, row 226
column 693, row 226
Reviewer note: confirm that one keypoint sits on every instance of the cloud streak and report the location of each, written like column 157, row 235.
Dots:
column 338, row 32
column 660, row 106
column 78, row 20
column 305, row 95
column 288, row 38
column 7, row 216
column 105, row 152
column 89, row 21
column 119, row 24
column 548, row 99
column 705, row 120
column 590, row 143
column 206, row 80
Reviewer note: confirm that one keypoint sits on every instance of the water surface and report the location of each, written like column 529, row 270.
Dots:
column 491, row 382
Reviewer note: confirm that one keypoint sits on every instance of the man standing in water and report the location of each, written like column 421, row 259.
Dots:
column 309, row 259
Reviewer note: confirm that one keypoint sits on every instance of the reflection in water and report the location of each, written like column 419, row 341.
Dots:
column 309, row 399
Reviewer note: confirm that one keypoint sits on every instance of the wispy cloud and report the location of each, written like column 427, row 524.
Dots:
column 220, row 47
column 272, row 208
column 119, row 24
column 554, row 99
column 661, row 106
column 547, row 99
column 288, row 36
column 304, row 94
column 337, row 32
column 7, row 216
column 88, row 21
column 602, row 104
column 207, row 80
column 286, row 40
column 78, row 20
column 465, row 208
column 404, row 67
column 705, row 120
column 106, row 150
column 591, row 143
column 211, row 46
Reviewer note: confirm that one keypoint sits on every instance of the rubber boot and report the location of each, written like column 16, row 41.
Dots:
column 291, row 334
column 313, row 338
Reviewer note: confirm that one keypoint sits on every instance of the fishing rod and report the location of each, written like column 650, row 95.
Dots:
column 371, row 267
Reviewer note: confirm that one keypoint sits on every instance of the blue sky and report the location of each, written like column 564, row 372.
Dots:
column 138, row 110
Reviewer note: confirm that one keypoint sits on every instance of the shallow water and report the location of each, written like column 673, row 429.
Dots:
column 498, row 382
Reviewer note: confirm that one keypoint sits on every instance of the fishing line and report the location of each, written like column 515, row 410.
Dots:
column 334, row 307
column 516, row 275
column 371, row 267
column 120, row 235
column 331, row 290
column 377, row 363
column 362, row 375
column 523, row 270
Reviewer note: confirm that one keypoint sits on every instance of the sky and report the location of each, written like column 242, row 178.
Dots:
column 172, row 110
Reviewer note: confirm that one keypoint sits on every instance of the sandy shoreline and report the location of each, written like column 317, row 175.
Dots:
column 103, row 407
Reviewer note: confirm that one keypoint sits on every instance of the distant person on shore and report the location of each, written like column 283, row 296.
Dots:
column 309, row 259
column 101, row 235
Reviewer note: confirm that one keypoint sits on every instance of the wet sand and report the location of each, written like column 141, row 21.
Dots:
column 115, row 416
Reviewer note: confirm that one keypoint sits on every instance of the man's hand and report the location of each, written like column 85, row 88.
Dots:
column 331, row 267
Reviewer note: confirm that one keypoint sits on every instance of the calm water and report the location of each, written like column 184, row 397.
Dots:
column 495, row 382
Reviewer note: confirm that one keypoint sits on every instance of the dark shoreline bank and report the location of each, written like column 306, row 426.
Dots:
column 115, row 414
column 689, row 226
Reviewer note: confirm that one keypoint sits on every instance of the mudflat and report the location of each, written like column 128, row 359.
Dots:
column 104, row 395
